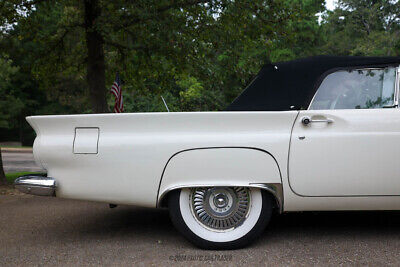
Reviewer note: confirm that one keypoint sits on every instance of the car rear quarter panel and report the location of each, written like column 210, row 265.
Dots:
column 133, row 150
column 236, row 166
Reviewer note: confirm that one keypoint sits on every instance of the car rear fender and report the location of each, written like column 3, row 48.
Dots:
column 222, row 166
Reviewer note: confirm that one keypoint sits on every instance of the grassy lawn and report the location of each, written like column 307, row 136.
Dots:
column 14, row 175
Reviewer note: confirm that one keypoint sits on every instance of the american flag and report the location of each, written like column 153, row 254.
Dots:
column 116, row 90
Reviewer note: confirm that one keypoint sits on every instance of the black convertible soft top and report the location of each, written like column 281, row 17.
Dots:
column 292, row 84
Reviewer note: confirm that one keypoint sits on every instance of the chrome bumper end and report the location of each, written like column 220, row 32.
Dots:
column 36, row 185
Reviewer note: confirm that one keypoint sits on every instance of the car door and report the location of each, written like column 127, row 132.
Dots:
column 348, row 141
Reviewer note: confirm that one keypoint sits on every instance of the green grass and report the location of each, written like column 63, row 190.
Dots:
column 14, row 175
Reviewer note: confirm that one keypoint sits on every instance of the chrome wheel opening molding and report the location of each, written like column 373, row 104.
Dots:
column 220, row 209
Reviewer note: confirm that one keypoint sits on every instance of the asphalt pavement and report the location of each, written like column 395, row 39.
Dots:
column 52, row 231
column 19, row 161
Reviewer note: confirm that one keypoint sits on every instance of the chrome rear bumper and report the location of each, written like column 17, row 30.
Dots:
column 39, row 185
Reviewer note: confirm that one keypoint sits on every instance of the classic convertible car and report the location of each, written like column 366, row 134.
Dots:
column 314, row 134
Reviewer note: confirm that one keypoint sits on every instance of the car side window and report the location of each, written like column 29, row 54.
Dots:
column 356, row 89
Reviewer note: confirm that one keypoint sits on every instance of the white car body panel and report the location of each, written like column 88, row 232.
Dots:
column 355, row 155
column 133, row 150
column 214, row 166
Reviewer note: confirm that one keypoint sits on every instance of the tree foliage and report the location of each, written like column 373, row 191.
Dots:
column 367, row 27
column 10, row 101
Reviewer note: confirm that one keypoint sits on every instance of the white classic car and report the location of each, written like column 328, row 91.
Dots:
column 315, row 134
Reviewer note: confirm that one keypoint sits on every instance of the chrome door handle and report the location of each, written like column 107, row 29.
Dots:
column 307, row 120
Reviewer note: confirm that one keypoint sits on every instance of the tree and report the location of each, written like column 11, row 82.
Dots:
column 8, row 104
column 158, row 45
column 3, row 179
column 98, row 22
column 363, row 27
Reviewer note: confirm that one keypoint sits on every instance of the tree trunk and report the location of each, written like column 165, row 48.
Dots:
column 95, row 62
column 3, row 179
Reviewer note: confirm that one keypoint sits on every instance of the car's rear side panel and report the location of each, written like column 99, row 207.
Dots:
column 133, row 149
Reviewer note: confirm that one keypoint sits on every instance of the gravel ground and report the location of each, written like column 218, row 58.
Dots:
column 52, row 231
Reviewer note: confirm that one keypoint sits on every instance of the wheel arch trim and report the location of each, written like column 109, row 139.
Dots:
column 275, row 189
column 274, row 186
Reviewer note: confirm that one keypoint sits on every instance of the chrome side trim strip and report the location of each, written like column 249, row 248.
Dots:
column 274, row 188
column 397, row 87
column 36, row 185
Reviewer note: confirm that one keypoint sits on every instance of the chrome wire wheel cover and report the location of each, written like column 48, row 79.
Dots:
column 220, row 208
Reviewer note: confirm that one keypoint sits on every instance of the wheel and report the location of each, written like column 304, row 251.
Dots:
column 220, row 217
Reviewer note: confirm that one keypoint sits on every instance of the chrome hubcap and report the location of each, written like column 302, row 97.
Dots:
column 220, row 208
column 220, row 201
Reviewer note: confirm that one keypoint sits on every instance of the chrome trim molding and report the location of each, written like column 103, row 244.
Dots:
column 274, row 188
column 36, row 185
column 397, row 87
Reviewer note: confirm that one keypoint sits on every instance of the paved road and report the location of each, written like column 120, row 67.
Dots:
column 51, row 231
column 19, row 162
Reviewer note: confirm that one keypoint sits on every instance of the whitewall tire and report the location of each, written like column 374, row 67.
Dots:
column 220, row 217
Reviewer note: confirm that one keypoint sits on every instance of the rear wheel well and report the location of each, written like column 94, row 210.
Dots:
column 163, row 203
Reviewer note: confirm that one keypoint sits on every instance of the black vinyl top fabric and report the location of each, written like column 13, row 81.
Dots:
column 291, row 85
